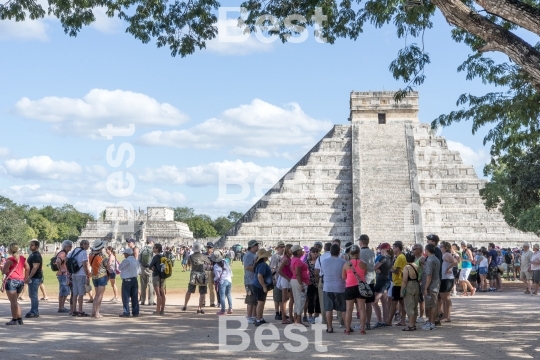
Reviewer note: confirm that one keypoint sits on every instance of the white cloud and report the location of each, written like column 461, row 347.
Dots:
column 41, row 167
column 4, row 151
column 259, row 126
column 209, row 174
column 24, row 30
column 167, row 197
column 104, row 23
column 19, row 187
column 470, row 157
column 83, row 117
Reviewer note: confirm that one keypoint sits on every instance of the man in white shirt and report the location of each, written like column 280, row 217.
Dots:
column 526, row 273
column 129, row 271
column 80, row 278
column 319, row 277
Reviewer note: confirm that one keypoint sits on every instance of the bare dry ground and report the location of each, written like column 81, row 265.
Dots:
column 487, row 326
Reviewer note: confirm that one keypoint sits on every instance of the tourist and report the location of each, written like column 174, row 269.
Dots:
column 319, row 278
column 313, row 306
column 157, row 281
column 299, row 282
column 223, row 279
column 63, row 276
column 482, row 262
column 34, row 279
column 80, row 279
column 410, row 290
column 262, row 280
column 509, row 261
column 113, row 268
column 274, row 266
column 466, row 268
column 16, row 270
column 209, row 267
column 418, row 251
column 517, row 264
column 354, row 271
column 131, row 244
column 397, row 273
column 382, row 284
column 129, row 271
column 285, row 275
column 493, row 268
column 99, row 264
column 368, row 256
column 185, row 256
column 145, row 258
column 197, row 277
column 447, row 281
column 535, row 268
column 248, row 261
column 526, row 273
column 431, row 283
column 456, row 251
column 333, row 286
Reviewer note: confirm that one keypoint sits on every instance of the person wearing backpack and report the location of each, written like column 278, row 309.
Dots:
column 147, row 287
column 99, row 264
column 157, row 280
column 77, row 266
column 62, row 275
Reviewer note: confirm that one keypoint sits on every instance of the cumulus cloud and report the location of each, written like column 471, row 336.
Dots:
column 41, row 167
column 24, row 30
column 470, row 157
column 255, row 129
column 28, row 186
column 210, row 174
column 83, row 117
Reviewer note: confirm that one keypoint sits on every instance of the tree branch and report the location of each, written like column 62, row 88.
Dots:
column 496, row 37
column 515, row 11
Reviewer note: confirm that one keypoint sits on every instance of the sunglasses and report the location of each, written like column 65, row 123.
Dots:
column 314, row 252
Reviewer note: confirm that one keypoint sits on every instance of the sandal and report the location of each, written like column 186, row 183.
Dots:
column 82, row 314
column 408, row 328
column 44, row 299
column 331, row 331
column 90, row 301
column 398, row 324
column 75, row 313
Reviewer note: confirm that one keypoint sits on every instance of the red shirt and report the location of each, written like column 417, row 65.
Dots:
column 18, row 273
column 297, row 262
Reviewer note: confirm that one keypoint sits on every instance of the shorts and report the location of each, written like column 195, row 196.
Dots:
column 64, row 287
column 78, row 283
column 536, row 276
column 102, row 281
column 157, row 281
column 277, row 295
column 382, row 285
column 283, row 283
column 334, row 301
column 396, row 293
column 431, row 299
column 259, row 293
column 251, row 299
column 483, row 270
column 352, row 293
column 14, row 285
column 492, row 272
column 446, row 285
column 371, row 299
column 464, row 274
column 112, row 276
column 203, row 290
column 525, row 275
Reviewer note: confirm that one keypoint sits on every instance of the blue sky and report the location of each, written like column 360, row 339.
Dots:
column 250, row 108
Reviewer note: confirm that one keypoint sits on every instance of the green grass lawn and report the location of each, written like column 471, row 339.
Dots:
column 177, row 282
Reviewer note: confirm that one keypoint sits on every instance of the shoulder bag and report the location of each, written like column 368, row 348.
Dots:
column 363, row 288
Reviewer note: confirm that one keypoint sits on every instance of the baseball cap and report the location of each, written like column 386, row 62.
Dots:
column 280, row 243
column 252, row 243
column 385, row 246
column 296, row 248
column 319, row 243
column 433, row 237
column 209, row 244
column 130, row 240
column 128, row 251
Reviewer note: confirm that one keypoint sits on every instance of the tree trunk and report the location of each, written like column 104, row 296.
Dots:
column 515, row 11
column 496, row 37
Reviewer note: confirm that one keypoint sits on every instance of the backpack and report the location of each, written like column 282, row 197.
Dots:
column 145, row 257
column 53, row 265
column 165, row 267
column 71, row 262
column 508, row 258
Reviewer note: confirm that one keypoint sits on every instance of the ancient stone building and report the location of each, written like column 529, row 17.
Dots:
column 121, row 224
column 386, row 175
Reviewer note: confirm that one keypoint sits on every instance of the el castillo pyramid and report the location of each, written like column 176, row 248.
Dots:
column 386, row 175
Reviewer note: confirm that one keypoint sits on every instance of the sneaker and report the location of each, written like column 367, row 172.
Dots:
column 258, row 323
column 311, row 320
column 64, row 310
column 13, row 322
column 19, row 322
column 438, row 322
column 123, row 315
column 378, row 325
column 305, row 319
column 221, row 313
column 30, row 316
column 278, row 317
column 420, row 320
column 428, row 326
column 229, row 311
column 368, row 326
column 263, row 321
column 356, row 327
column 251, row 320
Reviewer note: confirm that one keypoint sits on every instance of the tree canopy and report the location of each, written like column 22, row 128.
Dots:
column 202, row 225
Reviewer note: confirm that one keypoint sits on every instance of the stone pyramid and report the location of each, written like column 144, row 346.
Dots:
column 386, row 175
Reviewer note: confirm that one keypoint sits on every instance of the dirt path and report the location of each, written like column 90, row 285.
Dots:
column 486, row 326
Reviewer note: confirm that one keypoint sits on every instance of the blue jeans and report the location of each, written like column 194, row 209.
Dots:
column 33, row 293
column 225, row 291
column 130, row 290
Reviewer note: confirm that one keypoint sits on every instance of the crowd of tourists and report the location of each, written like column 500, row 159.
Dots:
column 408, row 285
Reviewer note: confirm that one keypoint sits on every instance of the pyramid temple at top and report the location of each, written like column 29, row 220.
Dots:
column 386, row 175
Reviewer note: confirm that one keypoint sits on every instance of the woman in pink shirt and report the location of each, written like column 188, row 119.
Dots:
column 284, row 284
column 16, row 270
column 352, row 295
column 299, row 283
